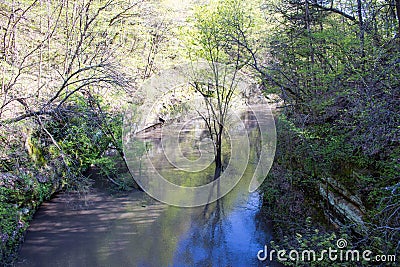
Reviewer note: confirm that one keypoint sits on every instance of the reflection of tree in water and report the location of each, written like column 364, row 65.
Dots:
column 210, row 236
column 215, row 237
column 216, row 228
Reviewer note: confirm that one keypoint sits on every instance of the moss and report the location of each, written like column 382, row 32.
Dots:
column 34, row 151
column 20, row 195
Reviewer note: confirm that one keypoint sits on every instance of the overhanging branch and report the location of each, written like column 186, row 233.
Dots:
column 334, row 10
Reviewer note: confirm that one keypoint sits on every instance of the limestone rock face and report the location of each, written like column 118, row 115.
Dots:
column 341, row 204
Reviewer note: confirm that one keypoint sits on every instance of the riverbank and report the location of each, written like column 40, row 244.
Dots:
column 320, row 190
column 21, row 193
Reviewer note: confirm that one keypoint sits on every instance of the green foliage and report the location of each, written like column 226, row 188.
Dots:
column 58, row 152
column 220, row 31
column 310, row 239
column 20, row 196
column 86, row 136
column 340, row 83
column 339, row 80
column 12, row 228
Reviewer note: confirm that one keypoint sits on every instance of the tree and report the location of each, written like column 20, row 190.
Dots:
column 335, row 63
column 219, row 33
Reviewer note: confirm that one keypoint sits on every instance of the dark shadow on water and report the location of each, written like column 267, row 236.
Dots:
column 97, row 229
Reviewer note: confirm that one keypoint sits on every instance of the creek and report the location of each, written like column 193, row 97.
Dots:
column 98, row 228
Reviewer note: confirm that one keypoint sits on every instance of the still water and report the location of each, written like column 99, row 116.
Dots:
column 132, row 229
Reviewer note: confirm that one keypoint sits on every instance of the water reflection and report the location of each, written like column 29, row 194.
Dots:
column 98, row 229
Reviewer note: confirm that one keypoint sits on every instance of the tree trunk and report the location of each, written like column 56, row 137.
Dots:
column 218, row 153
column 312, row 56
column 398, row 17
column 361, row 25
column 308, row 27
column 218, row 162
